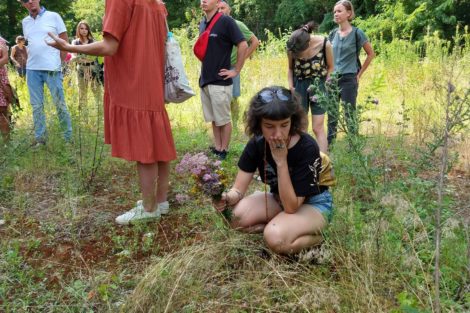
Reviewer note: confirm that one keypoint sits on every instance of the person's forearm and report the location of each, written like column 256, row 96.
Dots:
column 242, row 181
column 97, row 48
column 241, row 51
column 12, row 57
column 366, row 64
column 254, row 43
column 14, row 61
column 290, row 71
column 286, row 190
column 330, row 60
column 370, row 55
column 290, row 79
column 239, row 188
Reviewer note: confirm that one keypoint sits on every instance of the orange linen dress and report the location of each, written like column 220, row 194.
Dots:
column 136, row 122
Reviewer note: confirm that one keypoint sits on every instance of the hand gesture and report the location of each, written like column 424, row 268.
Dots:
column 226, row 74
column 57, row 42
column 279, row 150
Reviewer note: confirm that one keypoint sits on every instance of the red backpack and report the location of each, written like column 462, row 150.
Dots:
column 200, row 47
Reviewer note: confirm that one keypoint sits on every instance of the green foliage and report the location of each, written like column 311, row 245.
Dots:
column 411, row 19
column 12, row 13
column 384, row 18
column 92, row 11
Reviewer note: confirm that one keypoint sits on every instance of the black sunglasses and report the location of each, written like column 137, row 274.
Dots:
column 25, row 1
column 267, row 96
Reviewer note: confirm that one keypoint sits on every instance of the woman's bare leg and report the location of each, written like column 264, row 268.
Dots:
column 318, row 127
column 163, row 181
column 148, row 174
column 249, row 215
column 290, row 233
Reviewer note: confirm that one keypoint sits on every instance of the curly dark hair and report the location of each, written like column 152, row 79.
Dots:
column 274, row 103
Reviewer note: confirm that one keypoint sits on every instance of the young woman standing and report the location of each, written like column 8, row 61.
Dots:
column 87, row 71
column 347, row 42
column 136, row 122
column 310, row 57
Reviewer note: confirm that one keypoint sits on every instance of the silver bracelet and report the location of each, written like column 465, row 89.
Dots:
column 238, row 192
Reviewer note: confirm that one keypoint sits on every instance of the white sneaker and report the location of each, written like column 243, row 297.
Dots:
column 137, row 214
column 163, row 207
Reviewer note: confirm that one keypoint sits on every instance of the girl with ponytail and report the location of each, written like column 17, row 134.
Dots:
column 310, row 57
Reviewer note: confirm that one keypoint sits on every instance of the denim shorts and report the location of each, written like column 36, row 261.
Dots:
column 301, row 87
column 322, row 202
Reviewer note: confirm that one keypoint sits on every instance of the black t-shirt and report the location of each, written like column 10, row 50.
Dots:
column 224, row 35
column 303, row 159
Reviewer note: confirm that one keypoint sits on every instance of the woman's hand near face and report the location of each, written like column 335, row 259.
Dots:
column 279, row 150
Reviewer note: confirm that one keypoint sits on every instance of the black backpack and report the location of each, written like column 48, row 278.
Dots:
column 332, row 35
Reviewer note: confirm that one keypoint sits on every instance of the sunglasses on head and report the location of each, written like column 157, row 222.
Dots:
column 267, row 96
column 25, row 1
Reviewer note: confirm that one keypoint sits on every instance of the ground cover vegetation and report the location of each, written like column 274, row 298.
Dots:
column 399, row 240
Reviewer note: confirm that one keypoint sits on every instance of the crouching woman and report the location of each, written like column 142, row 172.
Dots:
column 297, row 208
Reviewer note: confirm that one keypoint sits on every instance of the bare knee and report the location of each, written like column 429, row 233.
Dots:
column 276, row 239
column 241, row 220
column 237, row 220
column 318, row 129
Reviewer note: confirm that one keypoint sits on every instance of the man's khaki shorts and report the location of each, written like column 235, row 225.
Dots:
column 216, row 104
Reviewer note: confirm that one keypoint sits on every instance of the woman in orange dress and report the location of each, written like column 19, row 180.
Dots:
column 136, row 122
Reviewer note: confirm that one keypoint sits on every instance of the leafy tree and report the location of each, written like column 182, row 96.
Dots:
column 12, row 13
column 181, row 12
column 92, row 11
column 405, row 19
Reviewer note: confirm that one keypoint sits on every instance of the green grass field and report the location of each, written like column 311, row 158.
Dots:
column 60, row 250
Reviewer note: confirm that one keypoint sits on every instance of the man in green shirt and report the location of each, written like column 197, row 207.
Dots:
column 253, row 43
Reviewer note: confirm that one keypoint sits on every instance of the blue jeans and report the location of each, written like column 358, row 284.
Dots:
column 322, row 202
column 236, row 89
column 348, row 93
column 53, row 80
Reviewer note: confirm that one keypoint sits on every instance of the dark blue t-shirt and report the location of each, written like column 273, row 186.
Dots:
column 224, row 35
column 303, row 159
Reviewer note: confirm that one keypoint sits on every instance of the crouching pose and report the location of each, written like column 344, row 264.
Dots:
column 298, row 205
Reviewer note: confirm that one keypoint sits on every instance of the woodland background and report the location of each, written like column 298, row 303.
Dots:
column 388, row 18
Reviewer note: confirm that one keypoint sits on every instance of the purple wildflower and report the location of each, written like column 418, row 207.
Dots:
column 205, row 172
column 181, row 198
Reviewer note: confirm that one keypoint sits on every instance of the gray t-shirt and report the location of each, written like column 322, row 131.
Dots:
column 344, row 50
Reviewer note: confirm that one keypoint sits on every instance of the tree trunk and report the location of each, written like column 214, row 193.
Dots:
column 12, row 8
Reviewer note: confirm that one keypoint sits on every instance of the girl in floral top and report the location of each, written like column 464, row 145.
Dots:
column 310, row 57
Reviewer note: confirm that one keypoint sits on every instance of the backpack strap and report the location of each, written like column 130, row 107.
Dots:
column 213, row 21
column 323, row 50
column 358, row 48
column 332, row 34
